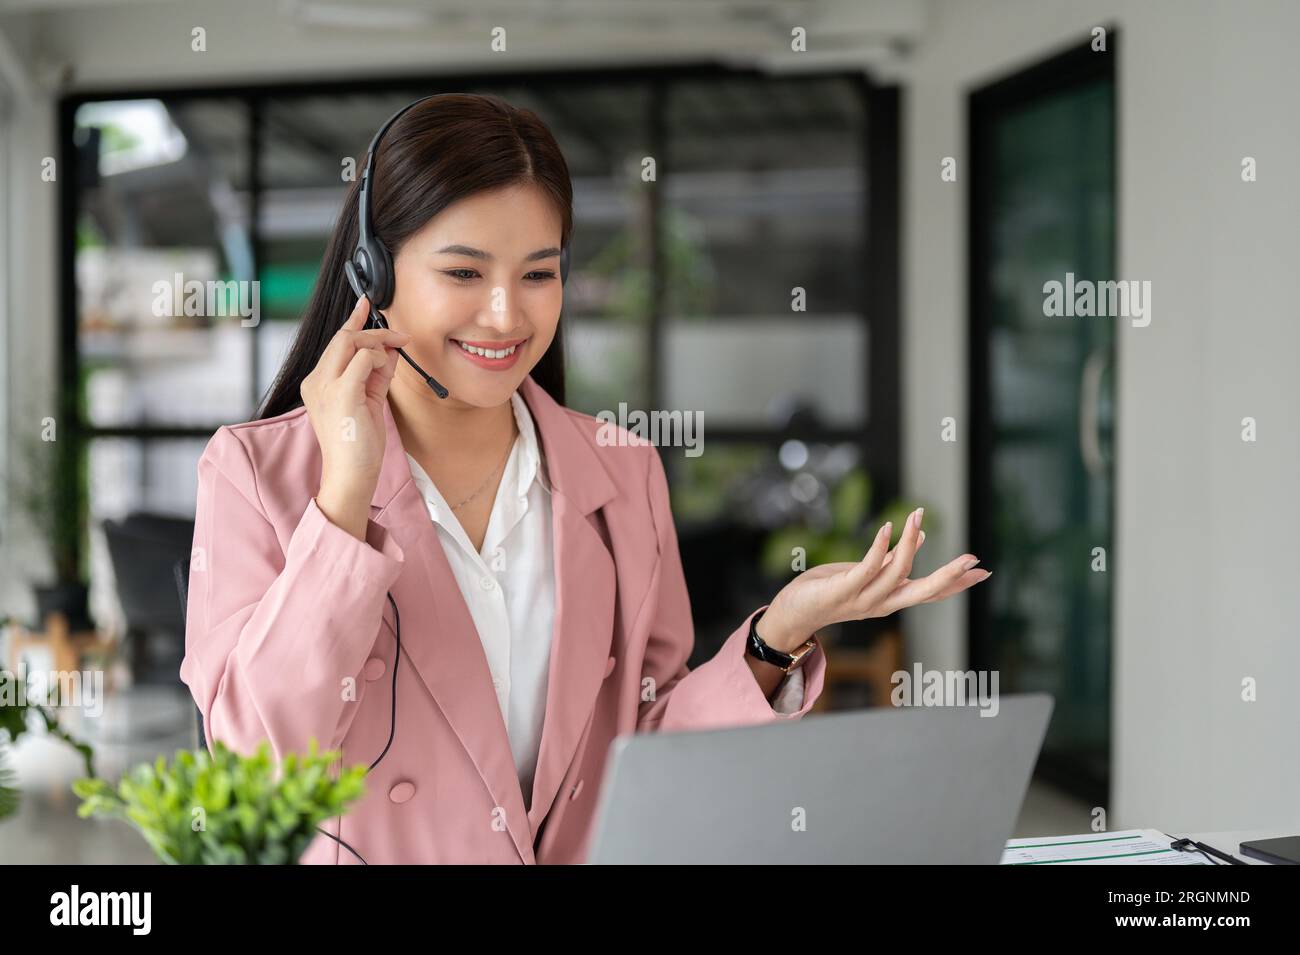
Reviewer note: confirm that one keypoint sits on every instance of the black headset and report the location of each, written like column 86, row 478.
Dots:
column 370, row 270
column 370, row 273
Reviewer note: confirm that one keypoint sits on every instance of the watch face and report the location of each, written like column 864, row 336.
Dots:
column 801, row 654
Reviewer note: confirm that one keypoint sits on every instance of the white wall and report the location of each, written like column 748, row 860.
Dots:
column 28, row 272
column 1205, row 552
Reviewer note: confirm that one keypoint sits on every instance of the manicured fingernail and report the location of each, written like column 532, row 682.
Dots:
column 921, row 540
column 920, row 514
column 970, row 564
column 885, row 530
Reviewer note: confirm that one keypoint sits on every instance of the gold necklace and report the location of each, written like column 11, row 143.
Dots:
column 488, row 478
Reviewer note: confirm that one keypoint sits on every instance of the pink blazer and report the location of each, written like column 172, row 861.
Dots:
column 290, row 636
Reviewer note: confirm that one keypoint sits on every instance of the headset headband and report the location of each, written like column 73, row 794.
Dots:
column 369, row 269
column 370, row 158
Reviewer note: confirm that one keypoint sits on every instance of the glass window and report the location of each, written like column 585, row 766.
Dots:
column 164, row 262
column 603, row 130
column 758, row 188
column 764, row 196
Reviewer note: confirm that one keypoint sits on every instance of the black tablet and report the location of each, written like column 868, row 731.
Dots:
column 1284, row 851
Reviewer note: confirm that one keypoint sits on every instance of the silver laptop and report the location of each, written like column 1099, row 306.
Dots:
column 916, row 785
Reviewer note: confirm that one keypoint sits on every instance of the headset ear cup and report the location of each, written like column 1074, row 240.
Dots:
column 350, row 270
column 382, row 285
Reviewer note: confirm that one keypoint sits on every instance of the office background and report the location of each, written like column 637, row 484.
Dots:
column 821, row 169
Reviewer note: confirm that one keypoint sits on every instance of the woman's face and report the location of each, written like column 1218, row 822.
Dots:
column 484, row 272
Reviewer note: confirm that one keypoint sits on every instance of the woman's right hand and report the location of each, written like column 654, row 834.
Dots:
column 344, row 396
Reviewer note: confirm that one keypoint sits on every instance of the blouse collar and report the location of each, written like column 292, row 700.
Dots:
column 524, row 464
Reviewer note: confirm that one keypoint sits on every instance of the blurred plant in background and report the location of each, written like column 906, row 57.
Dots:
column 9, row 795
column 16, row 711
column 49, row 481
column 836, row 522
column 618, row 282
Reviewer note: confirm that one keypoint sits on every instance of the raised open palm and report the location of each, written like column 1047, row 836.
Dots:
column 875, row 586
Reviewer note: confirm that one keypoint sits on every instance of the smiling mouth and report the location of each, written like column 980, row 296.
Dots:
column 490, row 349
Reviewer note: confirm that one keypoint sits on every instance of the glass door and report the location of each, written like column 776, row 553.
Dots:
column 1043, row 210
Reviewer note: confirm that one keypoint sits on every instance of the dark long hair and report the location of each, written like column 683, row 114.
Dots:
column 445, row 149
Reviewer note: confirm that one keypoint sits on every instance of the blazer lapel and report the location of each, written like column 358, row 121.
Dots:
column 585, row 589
column 439, row 638
column 442, row 644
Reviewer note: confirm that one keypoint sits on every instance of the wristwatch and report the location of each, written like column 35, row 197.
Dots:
column 755, row 647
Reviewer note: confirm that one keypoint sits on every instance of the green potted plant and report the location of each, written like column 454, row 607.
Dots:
column 223, row 808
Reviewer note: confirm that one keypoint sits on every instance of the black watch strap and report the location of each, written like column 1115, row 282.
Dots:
column 755, row 647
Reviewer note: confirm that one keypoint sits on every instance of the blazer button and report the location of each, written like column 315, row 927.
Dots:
column 609, row 666
column 576, row 789
column 401, row 792
column 375, row 668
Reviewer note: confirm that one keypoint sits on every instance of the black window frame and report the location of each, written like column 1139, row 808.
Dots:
column 879, row 434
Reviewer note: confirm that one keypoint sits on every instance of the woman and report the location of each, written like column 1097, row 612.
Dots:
column 475, row 594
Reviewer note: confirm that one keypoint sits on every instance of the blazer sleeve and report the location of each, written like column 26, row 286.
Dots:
column 273, row 633
column 722, row 691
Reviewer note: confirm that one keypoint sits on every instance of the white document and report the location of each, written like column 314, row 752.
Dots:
column 1129, row 847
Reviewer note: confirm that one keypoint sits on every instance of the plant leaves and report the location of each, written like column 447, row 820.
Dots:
column 225, row 808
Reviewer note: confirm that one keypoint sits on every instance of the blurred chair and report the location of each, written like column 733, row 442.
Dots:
column 70, row 649
column 859, row 676
column 144, row 549
column 181, row 569
column 717, row 564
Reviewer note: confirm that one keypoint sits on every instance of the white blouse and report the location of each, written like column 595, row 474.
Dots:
column 509, row 588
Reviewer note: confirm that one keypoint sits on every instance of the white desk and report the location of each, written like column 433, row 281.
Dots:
column 1122, row 851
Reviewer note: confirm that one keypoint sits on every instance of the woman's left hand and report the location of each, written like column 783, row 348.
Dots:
column 875, row 586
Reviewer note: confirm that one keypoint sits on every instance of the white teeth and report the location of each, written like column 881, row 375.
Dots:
column 488, row 352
